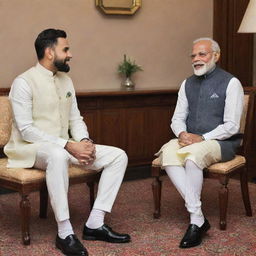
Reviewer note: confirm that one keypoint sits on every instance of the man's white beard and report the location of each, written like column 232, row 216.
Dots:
column 205, row 68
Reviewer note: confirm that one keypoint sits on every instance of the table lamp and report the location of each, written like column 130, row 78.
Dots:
column 248, row 24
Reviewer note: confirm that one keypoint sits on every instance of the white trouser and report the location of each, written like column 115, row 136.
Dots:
column 188, row 181
column 55, row 160
column 184, row 166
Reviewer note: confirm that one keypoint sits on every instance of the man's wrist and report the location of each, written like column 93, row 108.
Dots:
column 67, row 146
column 87, row 139
column 202, row 137
column 180, row 134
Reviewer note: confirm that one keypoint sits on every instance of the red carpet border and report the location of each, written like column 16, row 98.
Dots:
column 132, row 213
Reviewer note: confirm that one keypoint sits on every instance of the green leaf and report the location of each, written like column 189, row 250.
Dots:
column 128, row 67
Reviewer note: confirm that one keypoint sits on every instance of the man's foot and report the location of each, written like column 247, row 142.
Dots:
column 71, row 246
column 194, row 234
column 105, row 233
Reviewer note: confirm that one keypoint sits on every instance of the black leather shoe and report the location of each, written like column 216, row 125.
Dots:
column 105, row 233
column 71, row 246
column 194, row 234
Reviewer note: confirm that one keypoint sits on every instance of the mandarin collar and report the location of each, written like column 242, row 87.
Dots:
column 45, row 71
column 208, row 74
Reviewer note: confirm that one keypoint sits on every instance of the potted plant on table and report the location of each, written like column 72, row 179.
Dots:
column 127, row 68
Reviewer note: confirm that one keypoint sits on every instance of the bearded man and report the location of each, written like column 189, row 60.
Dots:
column 44, row 112
column 206, row 123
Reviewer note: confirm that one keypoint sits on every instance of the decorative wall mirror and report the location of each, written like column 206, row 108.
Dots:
column 127, row 7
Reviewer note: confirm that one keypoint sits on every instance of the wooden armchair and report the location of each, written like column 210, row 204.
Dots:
column 222, row 171
column 26, row 181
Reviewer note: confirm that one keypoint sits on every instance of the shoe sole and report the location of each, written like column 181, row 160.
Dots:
column 93, row 238
column 59, row 248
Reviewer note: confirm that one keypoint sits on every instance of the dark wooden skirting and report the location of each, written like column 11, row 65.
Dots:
column 137, row 121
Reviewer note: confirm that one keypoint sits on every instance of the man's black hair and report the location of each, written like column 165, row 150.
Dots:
column 47, row 38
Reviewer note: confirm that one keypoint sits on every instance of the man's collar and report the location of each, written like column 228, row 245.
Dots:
column 44, row 70
column 210, row 71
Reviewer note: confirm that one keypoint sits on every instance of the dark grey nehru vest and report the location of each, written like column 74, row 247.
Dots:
column 206, row 100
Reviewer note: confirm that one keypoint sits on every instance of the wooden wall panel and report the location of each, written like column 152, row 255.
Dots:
column 111, row 128
column 135, row 133
column 236, row 48
column 159, row 131
column 136, row 121
column 220, row 28
column 91, row 120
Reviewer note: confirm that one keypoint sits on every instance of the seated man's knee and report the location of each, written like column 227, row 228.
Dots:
column 58, row 154
column 122, row 155
column 189, row 162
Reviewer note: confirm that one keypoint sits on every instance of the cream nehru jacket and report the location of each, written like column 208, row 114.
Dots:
column 51, row 104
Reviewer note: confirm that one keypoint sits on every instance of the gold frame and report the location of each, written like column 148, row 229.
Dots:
column 115, row 9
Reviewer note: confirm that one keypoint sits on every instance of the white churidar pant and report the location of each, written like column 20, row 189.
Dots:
column 184, row 167
column 55, row 160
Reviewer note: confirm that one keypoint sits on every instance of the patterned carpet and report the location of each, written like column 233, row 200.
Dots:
column 132, row 213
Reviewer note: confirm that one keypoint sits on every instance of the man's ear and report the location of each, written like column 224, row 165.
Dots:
column 49, row 53
column 216, row 56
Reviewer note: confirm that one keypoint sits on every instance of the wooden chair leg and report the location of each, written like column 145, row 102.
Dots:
column 25, row 217
column 245, row 193
column 223, row 203
column 92, row 192
column 43, row 203
column 156, row 188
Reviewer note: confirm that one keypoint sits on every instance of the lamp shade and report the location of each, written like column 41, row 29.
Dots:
column 248, row 24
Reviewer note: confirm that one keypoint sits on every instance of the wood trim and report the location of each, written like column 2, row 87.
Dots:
column 4, row 91
column 125, row 92
column 220, row 27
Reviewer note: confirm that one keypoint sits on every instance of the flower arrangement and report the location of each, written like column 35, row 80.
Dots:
column 128, row 67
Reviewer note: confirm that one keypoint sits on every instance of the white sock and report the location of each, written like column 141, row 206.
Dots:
column 96, row 219
column 197, row 219
column 178, row 177
column 64, row 229
column 194, row 183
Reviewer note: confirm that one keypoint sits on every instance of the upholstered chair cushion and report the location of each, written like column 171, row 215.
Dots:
column 25, row 176
column 221, row 168
column 156, row 162
column 5, row 120
column 226, row 167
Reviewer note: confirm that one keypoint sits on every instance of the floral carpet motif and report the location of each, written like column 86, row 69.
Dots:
column 132, row 213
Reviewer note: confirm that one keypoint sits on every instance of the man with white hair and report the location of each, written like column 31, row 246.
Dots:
column 206, row 123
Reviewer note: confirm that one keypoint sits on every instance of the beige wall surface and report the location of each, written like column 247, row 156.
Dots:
column 158, row 37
